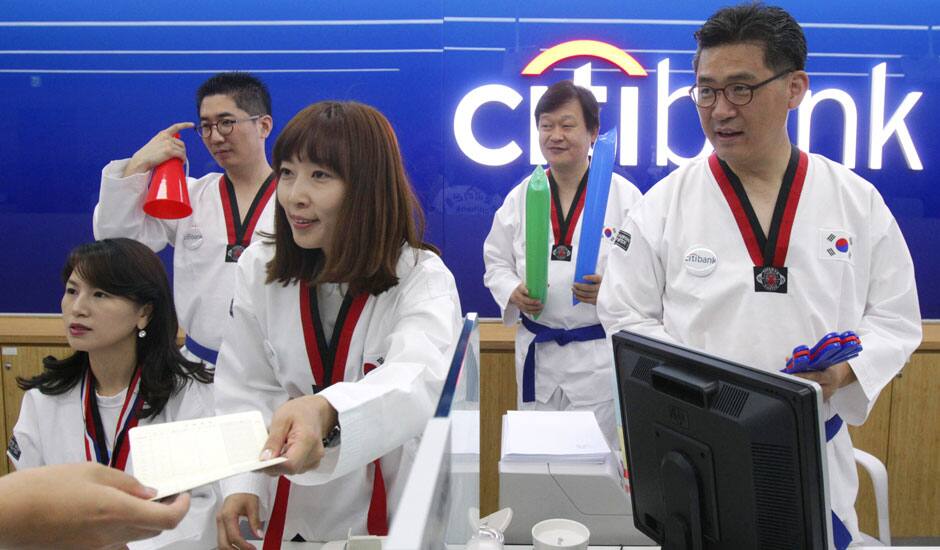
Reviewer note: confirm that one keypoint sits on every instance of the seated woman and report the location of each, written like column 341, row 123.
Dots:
column 344, row 320
column 126, row 370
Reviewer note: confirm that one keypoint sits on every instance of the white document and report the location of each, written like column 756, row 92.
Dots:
column 465, row 432
column 178, row 456
column 553, row 436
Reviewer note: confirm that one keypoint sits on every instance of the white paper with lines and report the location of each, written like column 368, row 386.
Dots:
column 178, row 456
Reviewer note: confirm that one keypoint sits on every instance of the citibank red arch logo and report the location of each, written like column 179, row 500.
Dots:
column 584, row 48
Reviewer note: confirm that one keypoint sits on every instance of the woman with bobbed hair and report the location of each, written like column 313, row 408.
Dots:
column 126, row 370
column 343, row 321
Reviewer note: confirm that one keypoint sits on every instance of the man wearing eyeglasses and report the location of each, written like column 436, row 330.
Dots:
column 762, row 247
column 229, row 209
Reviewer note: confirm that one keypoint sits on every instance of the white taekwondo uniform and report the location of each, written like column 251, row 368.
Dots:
column 581, row 370
column 51, row 430
column 401, row 338
column 207, row 243
column 685, row 272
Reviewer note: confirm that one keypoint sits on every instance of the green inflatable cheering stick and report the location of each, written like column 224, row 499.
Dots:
column 537, row 211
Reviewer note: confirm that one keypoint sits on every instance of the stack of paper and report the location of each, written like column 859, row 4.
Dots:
column 178, row 456
column 553, row 436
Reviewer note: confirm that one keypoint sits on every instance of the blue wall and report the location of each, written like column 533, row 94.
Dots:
column 83, row 84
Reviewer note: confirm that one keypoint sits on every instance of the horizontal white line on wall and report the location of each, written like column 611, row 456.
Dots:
column 688, row 22
column 217, row 52
column 364, row 22
column 221, row 23
column 480, row 19
column 472, row 49
column 194, row 71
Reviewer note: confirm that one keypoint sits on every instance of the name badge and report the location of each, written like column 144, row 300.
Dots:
column 700, row 261
column 192, row 239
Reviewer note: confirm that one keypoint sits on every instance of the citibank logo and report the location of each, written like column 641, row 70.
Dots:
column 584, row 48
column 882, row 128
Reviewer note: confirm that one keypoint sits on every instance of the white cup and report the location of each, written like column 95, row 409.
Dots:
column 560, row 534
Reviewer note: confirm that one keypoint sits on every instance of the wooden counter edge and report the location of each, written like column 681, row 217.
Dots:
column 494, row 336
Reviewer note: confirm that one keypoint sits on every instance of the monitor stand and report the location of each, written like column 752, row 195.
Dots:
column 683, row 510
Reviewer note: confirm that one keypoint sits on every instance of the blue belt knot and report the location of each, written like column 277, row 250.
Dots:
column 560, row 336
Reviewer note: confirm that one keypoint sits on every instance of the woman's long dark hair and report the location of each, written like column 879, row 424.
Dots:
column 126, row 268
column 380, row 211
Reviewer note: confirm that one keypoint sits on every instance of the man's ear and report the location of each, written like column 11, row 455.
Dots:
column 799, row 85
column 266, row 122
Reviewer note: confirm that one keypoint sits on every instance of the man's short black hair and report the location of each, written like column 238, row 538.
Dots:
column 564, row 91
column 754, row 23
column 248, row 92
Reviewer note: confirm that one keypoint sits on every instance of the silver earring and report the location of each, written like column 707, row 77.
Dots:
column 142, row 333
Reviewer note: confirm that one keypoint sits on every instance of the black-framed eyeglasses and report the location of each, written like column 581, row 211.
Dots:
column 224, row 126
column 737, row 93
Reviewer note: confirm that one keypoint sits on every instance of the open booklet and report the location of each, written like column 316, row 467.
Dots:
column 178, row 456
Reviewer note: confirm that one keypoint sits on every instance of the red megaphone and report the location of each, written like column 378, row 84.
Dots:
column 168, row 196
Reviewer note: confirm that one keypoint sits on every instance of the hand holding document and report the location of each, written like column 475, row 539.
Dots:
column 178, row 456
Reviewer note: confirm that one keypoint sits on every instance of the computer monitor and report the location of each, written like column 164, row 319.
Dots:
column 443, row 484
column 720, row 455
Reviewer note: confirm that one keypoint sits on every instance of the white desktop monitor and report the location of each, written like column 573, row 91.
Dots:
column 443, row 485
column 421, row 518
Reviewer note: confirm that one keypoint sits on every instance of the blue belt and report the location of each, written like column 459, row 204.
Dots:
column 560, row 336
column 208, row 355
column 840, row 533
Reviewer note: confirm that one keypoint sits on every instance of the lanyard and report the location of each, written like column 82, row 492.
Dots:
column 96, row 444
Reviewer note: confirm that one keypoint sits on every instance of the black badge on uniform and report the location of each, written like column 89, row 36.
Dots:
column 770, row 279
column 233, row 252
column 561, row 253
column 14, row 448
column 622, row 240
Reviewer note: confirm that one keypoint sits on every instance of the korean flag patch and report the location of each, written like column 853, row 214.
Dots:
column 835, row 244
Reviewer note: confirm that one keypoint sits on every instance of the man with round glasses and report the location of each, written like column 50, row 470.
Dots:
column 229, row 209
column 762, row 247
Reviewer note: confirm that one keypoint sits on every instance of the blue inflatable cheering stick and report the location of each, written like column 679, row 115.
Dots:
column 595, row 206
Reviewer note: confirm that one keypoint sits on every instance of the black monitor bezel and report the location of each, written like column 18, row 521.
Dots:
column 800, row 393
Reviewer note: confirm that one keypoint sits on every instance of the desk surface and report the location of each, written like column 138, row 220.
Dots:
column 330, row 546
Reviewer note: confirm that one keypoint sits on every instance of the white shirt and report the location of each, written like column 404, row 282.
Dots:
column 109, row 408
